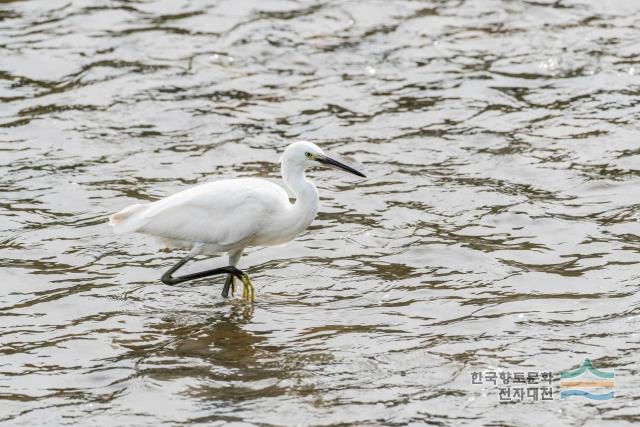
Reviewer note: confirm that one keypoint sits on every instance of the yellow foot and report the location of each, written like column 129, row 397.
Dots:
column 247, row 289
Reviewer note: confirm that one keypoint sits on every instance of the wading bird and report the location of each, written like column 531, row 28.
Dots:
column 230, row 215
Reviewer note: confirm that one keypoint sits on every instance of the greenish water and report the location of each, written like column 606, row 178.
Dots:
column 497, row 228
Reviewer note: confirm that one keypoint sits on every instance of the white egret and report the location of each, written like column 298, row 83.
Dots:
column 230, row 215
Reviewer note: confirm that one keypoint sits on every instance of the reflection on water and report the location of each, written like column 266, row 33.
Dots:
column 498, row 228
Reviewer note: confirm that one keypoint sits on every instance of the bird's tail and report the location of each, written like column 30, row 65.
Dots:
column 124, row 221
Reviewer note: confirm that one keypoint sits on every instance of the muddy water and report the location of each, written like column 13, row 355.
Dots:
column 497, row 228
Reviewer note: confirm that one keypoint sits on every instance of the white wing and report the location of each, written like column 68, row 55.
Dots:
column 226, row 213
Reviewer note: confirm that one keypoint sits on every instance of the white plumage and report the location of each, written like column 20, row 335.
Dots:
column 230, row 215
column 216, row 217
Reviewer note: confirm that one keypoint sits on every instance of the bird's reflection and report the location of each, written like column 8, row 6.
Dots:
column 219, row 357
column 222, row 339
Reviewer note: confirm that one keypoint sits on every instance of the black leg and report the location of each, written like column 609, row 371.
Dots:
column 168, row 279
column 227, row 285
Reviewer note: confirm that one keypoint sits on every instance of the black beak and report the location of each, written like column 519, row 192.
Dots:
column 332, row 163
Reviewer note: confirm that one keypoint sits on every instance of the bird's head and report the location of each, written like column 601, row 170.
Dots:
column 307, row 154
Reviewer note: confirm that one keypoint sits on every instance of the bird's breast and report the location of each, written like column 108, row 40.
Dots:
column 286, row 226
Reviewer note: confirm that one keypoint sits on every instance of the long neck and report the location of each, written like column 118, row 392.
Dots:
column 306, row 204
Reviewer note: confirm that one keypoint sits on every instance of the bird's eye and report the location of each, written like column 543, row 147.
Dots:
column 308, row 155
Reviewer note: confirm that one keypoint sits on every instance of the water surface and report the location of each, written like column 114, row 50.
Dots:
column 497, row 228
